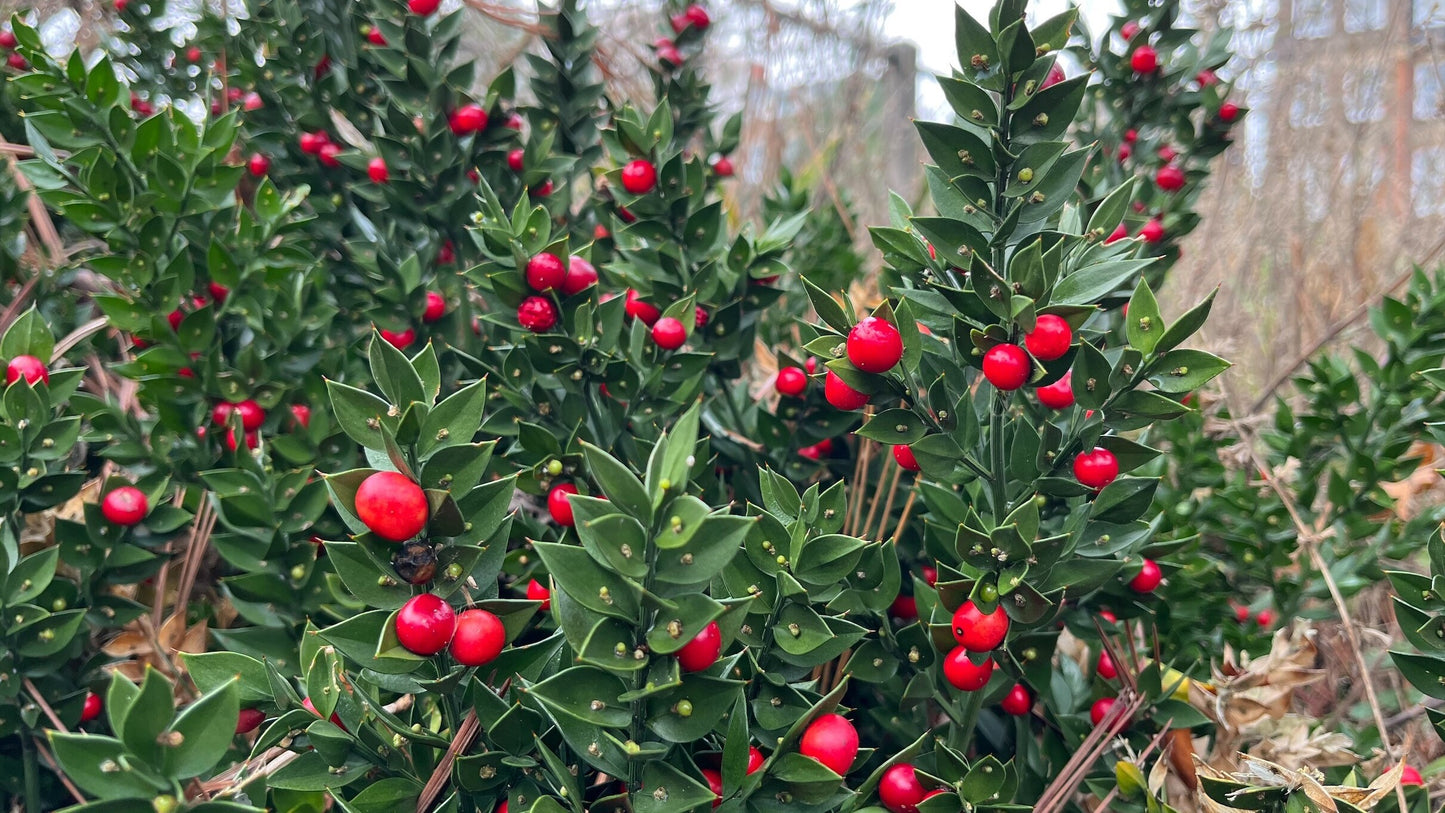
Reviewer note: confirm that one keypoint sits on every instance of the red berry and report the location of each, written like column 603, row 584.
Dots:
column 702, row 651
column 1124, row 152
column 1265, row 618
column 1007, row 367
column 252, row 415
column 637, row 309
column 811, row 365
column 1105, row 667
column 1153, row 231
column 436, row 307
column 874, row 345
column 714, row 784
column 899, row 789
column 221, row 413
column 818, row 450
column 679, row 23
column 723, row 167
column 1129, row 30
column 600, row 232
column 515, row 158
column 467, row 119
column 479, row 637
column 1131, row 135
column 840, row 395
column 1206, row 77
column 400, row 341
column 1108, row 616
column 668, row 333
column 376, row 169
column 258, row 165
column 755, row 760
column 699, row 318
column 311, row 143
column 249, row 720
column 1228, row 112
column 542, row 190
column 175, row 318
column 425, row 624
column 423, row 7
column 1144, row 60
column 559, row 504
column 311, row 707
column 125, row 506
column 193, row 54
column 374, row 36
column 929, row 574
column 581, row 275
column 963, row 674
column 18, row 62
column 1411, row 776
column 1148, row 578
column 537, row 314
column 1241, row 613
column 831, row 740
column 30, row 368
column 301, row 414
column 1050, row 338
column 7, row 39
column 1170, row 178
column 978, row 631
column 1166, row 153
column 903, row 455
column 537, row 592
column 1120, row 232
column 1096, row 469
column 513, row 122
column 187, row 372
column 904, row 608
column 639, row 177
column 667, row 53
column 1100, row 710
column 1056, row 75
column 327, row 154
column 217, row 291
column 392, row 506
column 92, row 707
column 1058, row 395
column 545, row 272
column 697, row 15
column 1018, row 701
column 791, row 381
column 447, row 254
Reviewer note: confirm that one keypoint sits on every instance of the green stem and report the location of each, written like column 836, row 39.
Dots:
column 32, row 774
column 999, row 481
column 971, row 707
column 639, row 707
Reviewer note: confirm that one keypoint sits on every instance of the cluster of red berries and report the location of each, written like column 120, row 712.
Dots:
column 427, row 624
column 8, row 43
column 977, row 633
column 29, row 368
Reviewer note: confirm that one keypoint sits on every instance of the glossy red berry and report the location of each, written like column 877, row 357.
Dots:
column 1228, row 112
column 714, row 784
column 1125, row 151
column 1108, row 616
column 92, row 707
column 479, row 637
column 1105, row 667
column 698, row 16
column 899, row 789
column 1206, row 78
column 249, row 720
column 311, row 707
column 392, row 506
column 702, row 651
column 377, row 171
column 874, row 345
column 252, row 415
column 669, row 333
column 545, row 272
column 193, row 54
column 817, row 451
column 963, row 674
column 1411, row 776
column 536, row 591
column 637, row 309
column 1007, row 367
column 541, row 190
column 904, row 608
column 7, row 39
column 639, row 176
column 125, row 506
column 1129, row 30
column 1056, row 75
column 436, row 307
column 537, row 314
column 1097, row 468
column 327, row 155
column 559, row 503
column 1265, row 619
column 723, row 167
column 1148, row 578
column 699, row 318
column 903, row 456
column 447, row 254
column 258, row 165
column 400, row 340
column 1144, row 60
column 831, row 740
column 467, row 119
column 374, row 36
column 1170, row 178
column 18, row 62
column 1121, row 232
column 581, row 275
column 29, row 368
column 1058, row 395
column 1100, row 709
column 840, row 395
column 1018, row 702
column 978, row 631
column 301, row 414
column 791, row 382
column 929, row 574
column 1131, row 135
column 1050, row 338
column 217, row 291
column 515, row 159
column 425, row 624
column 755, row 760
column 423, row 7
column 1153, row 231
